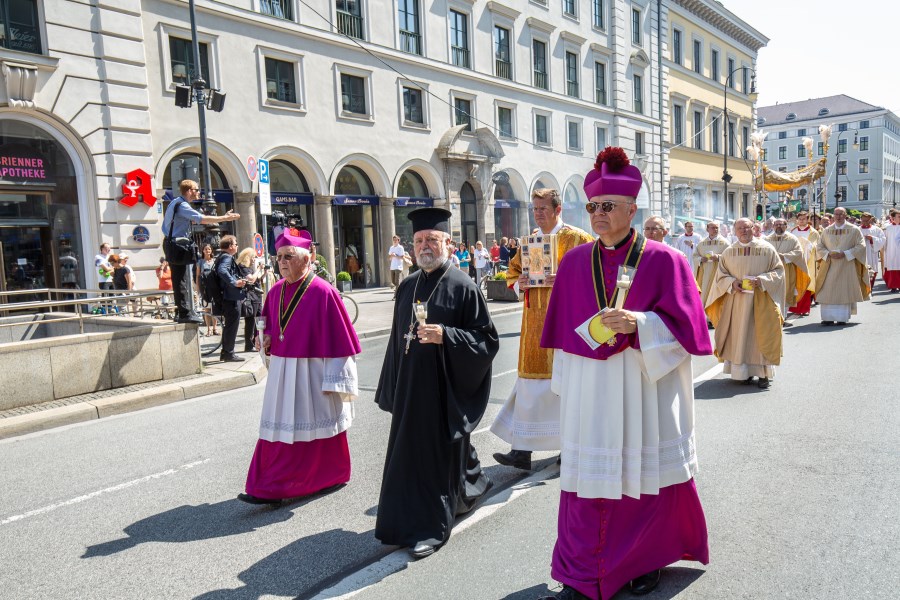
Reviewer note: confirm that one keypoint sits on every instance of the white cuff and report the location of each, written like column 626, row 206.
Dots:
column 660, row 349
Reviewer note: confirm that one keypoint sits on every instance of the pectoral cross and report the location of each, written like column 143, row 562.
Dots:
column 410, row 336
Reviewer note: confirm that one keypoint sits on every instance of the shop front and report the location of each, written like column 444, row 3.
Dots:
column 412, row 193
column 40, row 222
column 355, row 221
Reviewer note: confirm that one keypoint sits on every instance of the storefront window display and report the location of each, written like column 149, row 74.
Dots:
column 506, row 210
column 412, row 193
column 355, row 222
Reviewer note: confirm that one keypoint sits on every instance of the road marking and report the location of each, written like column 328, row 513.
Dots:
column 709, row 374
column 505, row 373
column 371, row 575
column 115, row 488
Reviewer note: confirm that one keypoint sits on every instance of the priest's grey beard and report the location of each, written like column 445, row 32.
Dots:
column 428, row 260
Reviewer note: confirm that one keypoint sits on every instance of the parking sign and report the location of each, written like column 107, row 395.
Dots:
column 265, row 194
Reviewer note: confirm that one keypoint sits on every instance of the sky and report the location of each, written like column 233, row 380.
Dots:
column 826, row 47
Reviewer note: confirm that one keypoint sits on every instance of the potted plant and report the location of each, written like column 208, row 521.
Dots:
column 344, row 282
column 498, row 290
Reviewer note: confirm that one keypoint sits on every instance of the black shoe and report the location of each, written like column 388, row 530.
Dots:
column 421, row 550
column 827, row 323
column 230, row 358
column 764, row 383
column 748, row 381
column 196, row 319
column 520, row 459
column 249, row 499
column 567, row 593
column 645, row 583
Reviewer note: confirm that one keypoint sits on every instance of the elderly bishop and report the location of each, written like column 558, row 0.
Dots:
column 706, row 259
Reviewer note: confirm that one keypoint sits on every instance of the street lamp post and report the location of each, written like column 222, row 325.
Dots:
column 894, row 185
column 726, row 176
column 837, row 164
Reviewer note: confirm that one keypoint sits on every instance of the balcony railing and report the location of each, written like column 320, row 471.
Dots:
column 350, row 25
column 540, row 80
column 572, row 88
column 460, row 56
column 282, row 9
column 600, row 96
column 410, row 42
column 503, row 68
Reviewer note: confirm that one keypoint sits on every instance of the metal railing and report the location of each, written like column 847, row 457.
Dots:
column 540, row 79
column 460, row 56
column 503, row 68
column 411, row 42
column 350, row 25
column 572, row 88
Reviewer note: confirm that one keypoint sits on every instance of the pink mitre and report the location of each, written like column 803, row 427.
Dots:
column 613, row 174
column 301, row 240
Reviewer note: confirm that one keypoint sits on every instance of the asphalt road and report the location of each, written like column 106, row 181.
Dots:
column 800, row 486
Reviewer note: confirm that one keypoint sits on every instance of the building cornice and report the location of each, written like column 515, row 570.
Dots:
column 501, row 9
column 543, row 26
column 718, row 16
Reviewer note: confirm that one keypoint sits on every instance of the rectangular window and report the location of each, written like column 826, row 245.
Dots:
column 600, row 83
column 539, row 57
column 574, row 135
column 569, row 8
column 863, row 124
column 541, row 131
column 842, row 146
column 280, row 84
column 745, row 80
column 638, row 143
column 842, row 167
column 698, row 130
column 638, row 85
column 463, row 110
column 801, row 132
column 782, row 135
column 820, row 149
column 863, row 192
column 765, row 155
column 842, row 127
column 504, row 122
column 714, row 65
column 715, row 135
column 349, row 18
column 843, row 193
column 182, row 55
column 635, row 26
column 410, row 33
column 864, row 165
column 782, row 152
column 601, row 139
column 677, row 124
column 745, row 141
column 731, row 73
column 412, row 106
column 801, row 151
column 459, row 39
column 731, row 136
column 864, row 143
column 572, row 74
column 698, row 57
column 20, row 27
column 677, row 54
column 281, row 9
column 353, row 94
column 502, row 62
column 597, row 13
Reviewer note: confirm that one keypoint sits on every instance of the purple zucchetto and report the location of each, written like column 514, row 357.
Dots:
column 613, row 174
column 302, row 239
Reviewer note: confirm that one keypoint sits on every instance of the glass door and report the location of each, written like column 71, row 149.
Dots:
column 26, row 254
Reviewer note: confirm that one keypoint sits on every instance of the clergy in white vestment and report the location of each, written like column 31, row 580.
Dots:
column 687, row 242
column 529, row 420
column 843, row 277
column 875, row 239
column 623, row 321
column 706, row 259
column 796, row 278
column 892, row 252
column 311, row 346
column 744, row 305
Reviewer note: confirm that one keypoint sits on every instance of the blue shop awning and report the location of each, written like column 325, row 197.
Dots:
column 220, row 196
column 414, row 202
column 355, row 201
column 291, row 198
column 507, row 204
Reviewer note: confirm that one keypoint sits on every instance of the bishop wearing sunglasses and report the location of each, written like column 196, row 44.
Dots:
column 624, row 319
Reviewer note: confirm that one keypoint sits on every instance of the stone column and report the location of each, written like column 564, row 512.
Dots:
column 246, row 226
column 325, row 231
column 523, row 227
column 386, row 229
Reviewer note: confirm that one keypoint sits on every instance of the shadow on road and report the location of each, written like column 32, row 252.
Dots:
column 721, row 389
column 817, row 327
column 674, row 581
column 307, row 563
column 193, row 523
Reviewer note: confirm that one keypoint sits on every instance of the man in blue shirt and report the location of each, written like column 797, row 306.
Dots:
column 180, row 215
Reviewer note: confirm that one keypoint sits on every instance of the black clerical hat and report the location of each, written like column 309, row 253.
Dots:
column 430, row 218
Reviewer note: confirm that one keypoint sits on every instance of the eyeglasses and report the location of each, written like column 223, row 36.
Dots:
column 607, row 206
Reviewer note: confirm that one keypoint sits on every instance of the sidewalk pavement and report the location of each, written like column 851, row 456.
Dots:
column 376, row 310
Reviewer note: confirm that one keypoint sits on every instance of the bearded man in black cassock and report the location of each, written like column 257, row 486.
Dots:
column 435, row 382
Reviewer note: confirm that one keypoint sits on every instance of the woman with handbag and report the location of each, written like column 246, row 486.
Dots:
column 252, row 302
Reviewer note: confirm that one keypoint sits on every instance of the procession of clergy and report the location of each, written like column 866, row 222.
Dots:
column 604, row 373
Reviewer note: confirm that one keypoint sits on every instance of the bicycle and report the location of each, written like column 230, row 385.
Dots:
column 349, row 303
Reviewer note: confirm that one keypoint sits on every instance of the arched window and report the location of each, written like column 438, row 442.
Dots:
column 469, row 221
column 352, row 180
column 285, row 177
column 412, row 185
column 188, row 165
